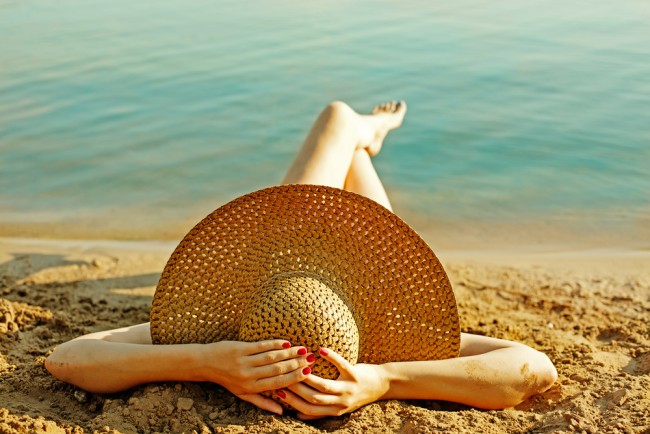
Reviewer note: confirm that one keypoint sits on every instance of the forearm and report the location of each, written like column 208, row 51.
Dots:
column 498, row 379
column 105, row 367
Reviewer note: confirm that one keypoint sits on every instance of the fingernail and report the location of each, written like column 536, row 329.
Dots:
column 281, row 394
column 286, row 345
column 323, row 352
column 302, row 351
column 311, row 358
column 307, row 370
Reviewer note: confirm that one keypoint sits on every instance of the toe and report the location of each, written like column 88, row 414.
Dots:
column 389, row 107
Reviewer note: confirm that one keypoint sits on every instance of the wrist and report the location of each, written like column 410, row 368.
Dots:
column 190, row 363
column 385, row 380
column 390, row 380
column 207, row 361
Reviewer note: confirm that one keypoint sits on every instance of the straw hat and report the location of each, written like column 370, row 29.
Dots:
column 318, row 266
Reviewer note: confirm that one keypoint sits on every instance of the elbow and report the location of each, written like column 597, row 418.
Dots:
column 58, row 364
column 49, row 364
column 538, row 374
column 547, row 374
column 66, row 364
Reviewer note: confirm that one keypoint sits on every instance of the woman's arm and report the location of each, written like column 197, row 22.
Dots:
column 116, row 360
column 490, row 373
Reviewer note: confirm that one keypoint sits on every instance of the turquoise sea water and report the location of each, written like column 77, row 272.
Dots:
column 156, row 112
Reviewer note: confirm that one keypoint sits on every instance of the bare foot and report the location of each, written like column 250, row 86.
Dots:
column 374, row 127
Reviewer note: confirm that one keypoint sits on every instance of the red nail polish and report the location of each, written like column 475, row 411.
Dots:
column 286, row 345
column 281, row 394
column 323, row 352
column 307, row 370
column 302, row 351
column 311, row 358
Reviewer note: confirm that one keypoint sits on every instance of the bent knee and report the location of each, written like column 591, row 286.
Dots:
column 339, row 110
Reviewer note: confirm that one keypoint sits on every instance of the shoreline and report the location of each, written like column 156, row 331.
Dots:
column 459, row 234
column 627, row 261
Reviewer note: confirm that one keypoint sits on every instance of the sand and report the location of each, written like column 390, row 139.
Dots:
column 588, row 310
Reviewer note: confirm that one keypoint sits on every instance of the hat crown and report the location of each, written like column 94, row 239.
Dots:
column 305, row 309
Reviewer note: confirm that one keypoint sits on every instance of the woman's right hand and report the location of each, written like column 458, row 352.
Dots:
column 248, row 368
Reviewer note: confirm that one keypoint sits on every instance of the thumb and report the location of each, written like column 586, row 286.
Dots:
column 337, row 360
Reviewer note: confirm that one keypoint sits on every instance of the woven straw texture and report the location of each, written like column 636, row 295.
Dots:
column 299, row 260
column 278, row 309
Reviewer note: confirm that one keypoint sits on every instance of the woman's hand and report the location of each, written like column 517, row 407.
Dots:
column 356, row 386
column 248, row 368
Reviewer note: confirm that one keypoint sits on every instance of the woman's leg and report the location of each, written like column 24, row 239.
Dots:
column 338, row 148
column 363, row 179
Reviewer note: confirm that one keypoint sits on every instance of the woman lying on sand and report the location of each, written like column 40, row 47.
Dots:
column 490, row 373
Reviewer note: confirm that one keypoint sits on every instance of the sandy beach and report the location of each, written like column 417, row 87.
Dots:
column 522, row 161
column 588, row 310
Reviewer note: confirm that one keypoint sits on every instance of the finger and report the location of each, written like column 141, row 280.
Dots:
column 274, row 356
column 283, row 367
column 308, row 409
column 337, row 360
column 323, row 385
column 283, row 380
column 262, row 402
column 268, row 345
column 312, row 395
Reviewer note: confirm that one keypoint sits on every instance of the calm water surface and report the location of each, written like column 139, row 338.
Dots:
column 158, row 111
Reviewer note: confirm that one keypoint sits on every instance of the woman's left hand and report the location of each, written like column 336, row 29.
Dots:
column 356, row 386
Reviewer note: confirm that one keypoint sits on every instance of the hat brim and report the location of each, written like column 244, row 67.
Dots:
column 397, row 290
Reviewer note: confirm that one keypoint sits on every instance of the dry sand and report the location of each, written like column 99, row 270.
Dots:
column 587, row 310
